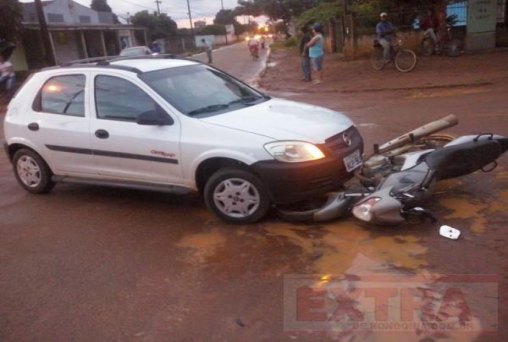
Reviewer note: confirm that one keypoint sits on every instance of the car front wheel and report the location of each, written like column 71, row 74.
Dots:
column 237, row 196
column 32, row 172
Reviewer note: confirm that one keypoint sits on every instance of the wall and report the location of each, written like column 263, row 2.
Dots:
column 364, row 44
column 66, row 46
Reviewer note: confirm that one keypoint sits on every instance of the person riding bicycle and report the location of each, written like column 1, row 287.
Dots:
column 385, row 34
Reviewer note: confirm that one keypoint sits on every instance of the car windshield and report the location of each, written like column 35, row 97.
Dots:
column 197, row 90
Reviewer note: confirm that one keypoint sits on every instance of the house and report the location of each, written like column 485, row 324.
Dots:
column 75, row 32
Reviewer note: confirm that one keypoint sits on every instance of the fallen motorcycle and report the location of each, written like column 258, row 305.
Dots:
column 402, row 174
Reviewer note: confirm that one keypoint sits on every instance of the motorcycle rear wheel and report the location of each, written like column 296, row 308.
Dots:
column 427, row 46
column 377, row 59
column 405, row 60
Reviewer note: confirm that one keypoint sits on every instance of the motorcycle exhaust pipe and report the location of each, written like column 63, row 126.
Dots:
column 418, row 133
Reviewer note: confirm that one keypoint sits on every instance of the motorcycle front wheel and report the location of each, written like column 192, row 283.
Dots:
column 405, row 60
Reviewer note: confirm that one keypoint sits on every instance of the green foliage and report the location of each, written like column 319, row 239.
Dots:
column 321, row 13
column 100, row 6
column 159, row 26
column 275, row 9
column 291, row 42
column 11, row 16
column 212, row 30
column 225, row 17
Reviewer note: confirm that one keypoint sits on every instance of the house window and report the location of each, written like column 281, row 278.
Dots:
column 85, row 19
column 55, row 18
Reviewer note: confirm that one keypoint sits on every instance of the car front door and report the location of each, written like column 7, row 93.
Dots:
column 122, row 148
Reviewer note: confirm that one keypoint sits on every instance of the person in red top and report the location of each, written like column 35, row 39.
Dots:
column 430, row 25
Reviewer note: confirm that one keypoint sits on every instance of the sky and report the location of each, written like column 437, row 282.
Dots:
column 176, row 9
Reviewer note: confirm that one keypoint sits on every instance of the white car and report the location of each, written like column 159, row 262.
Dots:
column 135, row 51
column 176, row 125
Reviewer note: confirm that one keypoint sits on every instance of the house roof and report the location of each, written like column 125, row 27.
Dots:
column 31, row 5
column 77, row 27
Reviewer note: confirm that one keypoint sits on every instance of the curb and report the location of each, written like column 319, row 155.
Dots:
column 257, row 78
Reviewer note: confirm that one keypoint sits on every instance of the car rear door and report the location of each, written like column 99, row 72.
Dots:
column 124, row 149
column 59, row 124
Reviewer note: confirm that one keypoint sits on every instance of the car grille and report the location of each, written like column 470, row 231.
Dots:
column 338, row 142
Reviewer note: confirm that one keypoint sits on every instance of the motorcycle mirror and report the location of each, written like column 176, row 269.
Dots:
column 449, row 232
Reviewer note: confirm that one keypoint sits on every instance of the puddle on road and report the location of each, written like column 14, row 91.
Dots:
column 466, row 208
column 335, row 247
column 203, row 245
column 347, row 258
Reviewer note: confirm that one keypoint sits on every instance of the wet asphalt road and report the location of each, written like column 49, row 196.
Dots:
column 99, row 264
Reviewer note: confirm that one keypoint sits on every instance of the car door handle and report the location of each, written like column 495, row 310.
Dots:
column 101, row 134
column 33, row 126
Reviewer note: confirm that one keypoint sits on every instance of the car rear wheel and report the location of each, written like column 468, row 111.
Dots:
column 32, row 172
column 237, row 196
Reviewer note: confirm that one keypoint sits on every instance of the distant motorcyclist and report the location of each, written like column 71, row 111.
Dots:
column 385, row 34
column 253, row 45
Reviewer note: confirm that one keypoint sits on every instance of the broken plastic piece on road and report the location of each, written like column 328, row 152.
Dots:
column 449, row 232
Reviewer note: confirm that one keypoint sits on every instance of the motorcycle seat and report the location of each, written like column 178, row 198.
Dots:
column 462, row 159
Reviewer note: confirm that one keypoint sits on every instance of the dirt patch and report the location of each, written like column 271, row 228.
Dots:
column 284, row 74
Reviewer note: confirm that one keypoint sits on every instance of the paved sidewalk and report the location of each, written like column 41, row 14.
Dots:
column 342, row 76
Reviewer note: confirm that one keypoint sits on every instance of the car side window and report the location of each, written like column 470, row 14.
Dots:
column 119, row 99
column 62, row 95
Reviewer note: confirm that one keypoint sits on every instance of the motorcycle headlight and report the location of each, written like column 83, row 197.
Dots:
column 363, row 211
column 294, row 151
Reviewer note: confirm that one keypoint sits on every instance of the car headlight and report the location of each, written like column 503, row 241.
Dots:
column 294, row 151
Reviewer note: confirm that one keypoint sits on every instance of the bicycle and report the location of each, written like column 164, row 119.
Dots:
column 404, row 59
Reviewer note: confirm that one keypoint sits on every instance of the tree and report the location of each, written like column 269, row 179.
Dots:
column 212, row 30
column 159, row 26
column 276, row 9
column 228, row 17
column 11, row 16
column 321, row 13
column 225, row 17
column 100, row 6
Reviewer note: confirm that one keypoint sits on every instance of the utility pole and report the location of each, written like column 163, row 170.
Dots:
column 48, row 51
column 158, row 8
column 222, row 5
column 190, row 21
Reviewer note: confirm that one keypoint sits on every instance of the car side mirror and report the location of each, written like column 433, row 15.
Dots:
column 156, row 117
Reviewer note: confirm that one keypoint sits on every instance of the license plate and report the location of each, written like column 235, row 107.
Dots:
column 353, row 161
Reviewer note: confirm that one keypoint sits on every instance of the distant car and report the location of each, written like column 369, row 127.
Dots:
column 180, row 126
column 135, row 51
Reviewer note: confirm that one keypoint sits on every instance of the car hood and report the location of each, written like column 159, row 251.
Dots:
column 285, row 120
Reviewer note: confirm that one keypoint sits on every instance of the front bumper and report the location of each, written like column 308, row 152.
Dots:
column 292, row 182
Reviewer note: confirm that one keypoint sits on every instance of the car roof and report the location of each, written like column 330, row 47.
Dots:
column 136, row 64
column 152, row 64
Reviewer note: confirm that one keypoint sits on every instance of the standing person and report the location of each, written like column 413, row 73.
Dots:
column 208, row 49
column 304, row 54
column 384, row 32
column 156, row 48
column 7, row 75
column 316, row 52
